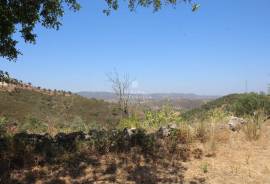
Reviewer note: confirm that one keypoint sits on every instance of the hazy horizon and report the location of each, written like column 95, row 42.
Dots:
column 213, row 51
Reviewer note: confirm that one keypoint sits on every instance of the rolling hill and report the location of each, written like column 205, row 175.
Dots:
column 179, row 101
column 21, row 105
column 147, row 96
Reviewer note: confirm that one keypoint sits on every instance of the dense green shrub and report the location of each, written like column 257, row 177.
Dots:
column 33, row 125
column 249, row 103
column 235, row 104
column 3, row 122
column 152, row 120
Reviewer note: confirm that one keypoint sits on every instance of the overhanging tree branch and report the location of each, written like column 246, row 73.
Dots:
column 26, row 14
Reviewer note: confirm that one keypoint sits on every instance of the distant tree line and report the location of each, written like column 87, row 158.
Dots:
column 5, row 78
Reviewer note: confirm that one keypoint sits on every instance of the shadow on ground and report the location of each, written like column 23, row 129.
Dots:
column 71, row 158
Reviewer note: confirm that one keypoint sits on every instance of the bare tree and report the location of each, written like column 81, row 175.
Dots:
column 121, row 87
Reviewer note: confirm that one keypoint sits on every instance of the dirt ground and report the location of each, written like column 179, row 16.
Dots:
column 237, row 161
column 231, row 159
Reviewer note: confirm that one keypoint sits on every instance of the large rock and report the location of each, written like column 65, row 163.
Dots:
column 129, row 132
column 165, row 131
column 172, row 126
column 235, row 123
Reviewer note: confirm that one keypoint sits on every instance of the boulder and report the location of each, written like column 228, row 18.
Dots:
column 165, row 131
column 172, row 126
column 87, row 137
column 129, row 132
column 235, row 123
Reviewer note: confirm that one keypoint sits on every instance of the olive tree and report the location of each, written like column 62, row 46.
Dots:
column 4, row 77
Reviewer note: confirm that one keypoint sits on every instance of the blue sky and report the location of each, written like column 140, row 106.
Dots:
column 212, row 51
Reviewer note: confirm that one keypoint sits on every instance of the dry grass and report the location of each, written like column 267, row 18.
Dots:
column 237, row 160
column 253, row 128
column 225, row 157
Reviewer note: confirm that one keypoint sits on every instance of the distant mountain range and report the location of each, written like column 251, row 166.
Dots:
column 109, row 96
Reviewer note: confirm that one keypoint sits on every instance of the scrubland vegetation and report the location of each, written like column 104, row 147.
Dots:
column 36, row 112
column 50, row 136
column 60, row 139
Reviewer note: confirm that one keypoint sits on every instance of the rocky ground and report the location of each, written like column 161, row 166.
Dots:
column 230, row 158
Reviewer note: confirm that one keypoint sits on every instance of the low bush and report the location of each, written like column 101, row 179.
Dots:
column 202, row 131
column 3, row 122
column 183, row 135
column 33, row 125
column 152, row 120
column 253, row 128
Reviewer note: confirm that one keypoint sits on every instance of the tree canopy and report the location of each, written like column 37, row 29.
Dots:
column 23, row 15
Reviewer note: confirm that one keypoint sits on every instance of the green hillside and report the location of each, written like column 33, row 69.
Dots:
column 235, row 104
column 26, row 106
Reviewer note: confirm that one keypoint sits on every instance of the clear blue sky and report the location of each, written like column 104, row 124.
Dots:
column 212, row 51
